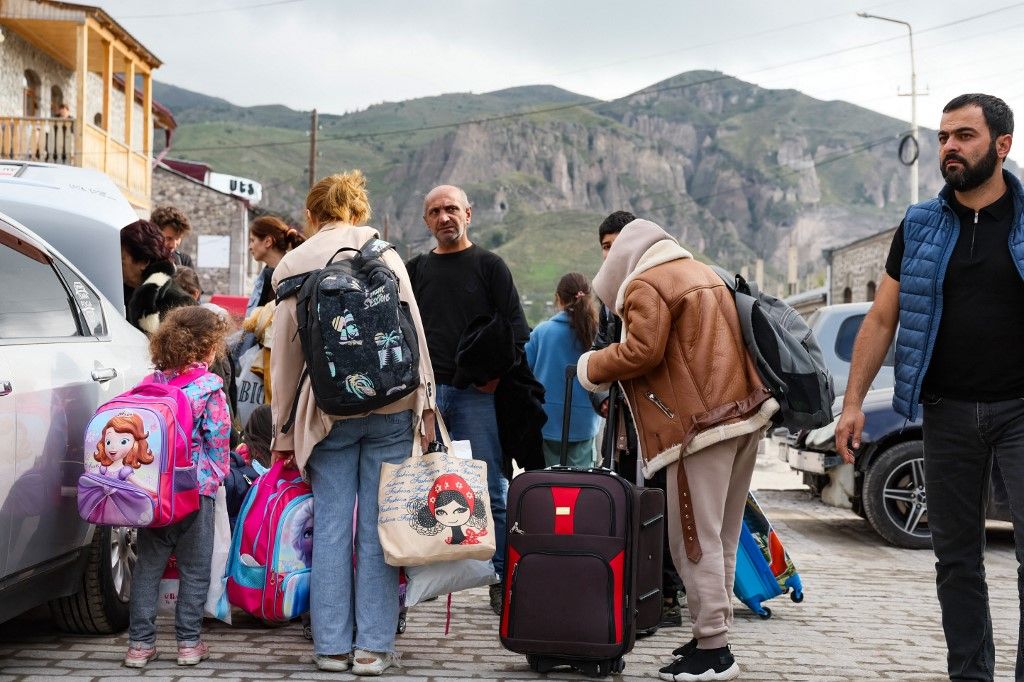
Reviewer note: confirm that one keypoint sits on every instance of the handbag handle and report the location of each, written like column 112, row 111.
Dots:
column 446, row 439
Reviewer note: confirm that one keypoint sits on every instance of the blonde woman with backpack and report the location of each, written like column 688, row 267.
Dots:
column 341, row 457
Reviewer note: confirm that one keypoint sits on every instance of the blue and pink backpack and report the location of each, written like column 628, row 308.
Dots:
column 272, row 547
column 139, row 469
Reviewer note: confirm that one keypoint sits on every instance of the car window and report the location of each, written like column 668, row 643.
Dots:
column 848, row 334
column 88, row 301
column 33, row 300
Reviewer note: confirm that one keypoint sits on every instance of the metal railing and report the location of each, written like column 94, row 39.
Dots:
column 38, row 139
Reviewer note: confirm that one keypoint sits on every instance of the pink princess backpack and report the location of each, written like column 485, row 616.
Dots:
column 139, row 470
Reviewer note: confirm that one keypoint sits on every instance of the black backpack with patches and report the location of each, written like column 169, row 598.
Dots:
column 358, row 339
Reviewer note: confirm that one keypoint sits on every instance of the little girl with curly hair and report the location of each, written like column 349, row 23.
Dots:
column 186, row 342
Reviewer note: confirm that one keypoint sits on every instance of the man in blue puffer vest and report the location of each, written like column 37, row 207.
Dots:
column 954, row 282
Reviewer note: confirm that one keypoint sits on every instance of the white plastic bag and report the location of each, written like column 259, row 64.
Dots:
column 250, row 385
column 216, row 597
column 432, row 580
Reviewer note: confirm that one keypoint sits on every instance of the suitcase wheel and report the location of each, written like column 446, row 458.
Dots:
column 401, row 622
column 765, row 613
column 539, row 664
column 797, row 596
column 601, row 668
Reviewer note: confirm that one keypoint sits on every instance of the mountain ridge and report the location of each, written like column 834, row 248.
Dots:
column 734, row 170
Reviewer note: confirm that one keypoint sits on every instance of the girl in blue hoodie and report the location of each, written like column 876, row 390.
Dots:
column 553, row 345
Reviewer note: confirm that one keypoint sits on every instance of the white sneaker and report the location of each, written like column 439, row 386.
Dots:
column 332, row 664
column 371, row 663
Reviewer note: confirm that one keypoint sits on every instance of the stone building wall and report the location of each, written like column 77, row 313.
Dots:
column 17, row 55
column 212, row 213
column 858, row 265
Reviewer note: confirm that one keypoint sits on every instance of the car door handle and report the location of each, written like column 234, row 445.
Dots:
column 104, row 374
column 6, row 388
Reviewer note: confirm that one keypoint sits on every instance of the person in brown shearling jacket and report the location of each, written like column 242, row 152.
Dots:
column 700, row 409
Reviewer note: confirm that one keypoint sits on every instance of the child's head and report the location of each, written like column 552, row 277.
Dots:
column 187, row 335
column 573, row 296
column 258, row 433
column 125, row 440
column 186, row 278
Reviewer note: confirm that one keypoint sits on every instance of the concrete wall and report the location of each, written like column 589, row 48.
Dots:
column 211, row 213
column 17, row 55
column 857, row 264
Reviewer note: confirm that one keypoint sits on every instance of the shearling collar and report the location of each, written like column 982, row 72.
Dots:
column 662, row 252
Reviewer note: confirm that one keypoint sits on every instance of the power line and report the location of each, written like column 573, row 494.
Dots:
column 690, row 48
column 575, row 105
column 838, row 156
column 219, row 10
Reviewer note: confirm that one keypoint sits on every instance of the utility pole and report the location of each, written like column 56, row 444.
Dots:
column 385, row 227
column 312, row 149
column 913, row 100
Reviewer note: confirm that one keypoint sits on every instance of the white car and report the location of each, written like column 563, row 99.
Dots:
column 64, row 350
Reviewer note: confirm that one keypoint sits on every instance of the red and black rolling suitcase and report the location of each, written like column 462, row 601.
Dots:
column 582, row 564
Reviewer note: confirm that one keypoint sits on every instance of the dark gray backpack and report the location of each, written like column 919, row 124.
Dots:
column 358, row 339
column 786, row 354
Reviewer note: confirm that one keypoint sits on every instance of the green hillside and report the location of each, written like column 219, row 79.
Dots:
column 734, row 170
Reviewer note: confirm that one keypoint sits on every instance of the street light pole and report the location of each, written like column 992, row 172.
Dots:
column 913, row 99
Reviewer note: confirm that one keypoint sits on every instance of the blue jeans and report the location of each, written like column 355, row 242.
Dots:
column 961, row 439
column 469, row 414
column 191, row 542
column 345, row 466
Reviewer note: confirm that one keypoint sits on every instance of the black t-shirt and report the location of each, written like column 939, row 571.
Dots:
column 453, row 289
column 982, row 309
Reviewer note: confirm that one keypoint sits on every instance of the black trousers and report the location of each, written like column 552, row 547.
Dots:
column 961, row 441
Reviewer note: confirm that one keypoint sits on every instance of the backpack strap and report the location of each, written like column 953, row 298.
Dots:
column 287, row 426
column 374, row 247
column 290, row 286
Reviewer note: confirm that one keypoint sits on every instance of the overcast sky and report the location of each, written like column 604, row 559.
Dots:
column 343, row 55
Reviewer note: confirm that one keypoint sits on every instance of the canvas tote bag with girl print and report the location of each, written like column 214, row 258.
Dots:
column 434, row 507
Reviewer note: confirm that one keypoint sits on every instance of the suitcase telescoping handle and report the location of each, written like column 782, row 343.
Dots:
column 570, row 374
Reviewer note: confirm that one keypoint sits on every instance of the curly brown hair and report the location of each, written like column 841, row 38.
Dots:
column 169, row 216
column 187, row 335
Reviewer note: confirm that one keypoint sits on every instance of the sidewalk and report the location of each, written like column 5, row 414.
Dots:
column 869, row 613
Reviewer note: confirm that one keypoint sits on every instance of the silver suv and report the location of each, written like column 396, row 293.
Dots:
column 64, row 349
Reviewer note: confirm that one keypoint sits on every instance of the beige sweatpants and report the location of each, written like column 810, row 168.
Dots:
column 719, row 478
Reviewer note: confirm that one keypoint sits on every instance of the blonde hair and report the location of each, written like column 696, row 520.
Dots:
column 339, row 198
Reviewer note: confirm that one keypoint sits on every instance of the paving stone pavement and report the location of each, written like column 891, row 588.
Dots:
column 870, row 613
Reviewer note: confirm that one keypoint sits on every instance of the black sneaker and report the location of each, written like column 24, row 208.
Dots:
column 703, row 665
column 496, row 595
column 686, row 649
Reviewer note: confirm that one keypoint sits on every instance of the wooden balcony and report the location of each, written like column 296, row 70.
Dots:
column 51, row 140
column 54, row 140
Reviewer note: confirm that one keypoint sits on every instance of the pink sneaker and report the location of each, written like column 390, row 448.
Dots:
column 192, row 655
column 138, row 658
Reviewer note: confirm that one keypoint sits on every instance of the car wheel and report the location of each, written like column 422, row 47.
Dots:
column 894, row 496
column 101, row 605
